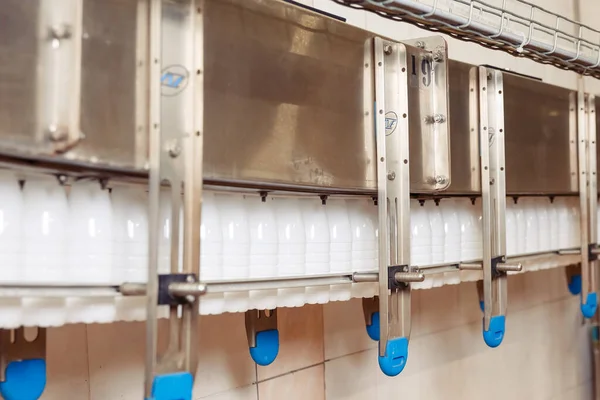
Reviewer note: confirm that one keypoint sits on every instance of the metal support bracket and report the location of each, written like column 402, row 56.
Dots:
column 176, row 137
column 493, row 195
column 586, row 139
column 263, row 336
column 22, row 365
column 394, row 81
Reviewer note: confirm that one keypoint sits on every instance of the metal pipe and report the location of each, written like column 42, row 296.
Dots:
column 184, row 289
column 569, row 252
column 518, row 267
column 360, row 277
column 409, row 277
column 470, row 266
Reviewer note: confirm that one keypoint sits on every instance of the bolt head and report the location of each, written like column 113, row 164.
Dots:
column 391, row 175
column 387, row 49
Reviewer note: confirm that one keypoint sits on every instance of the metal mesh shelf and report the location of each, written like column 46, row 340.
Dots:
column 515, row 26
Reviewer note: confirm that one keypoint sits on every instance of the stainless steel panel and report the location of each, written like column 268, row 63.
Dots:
column 285, row 97
column 428, row 114
column 540, row 156
column 464, row 138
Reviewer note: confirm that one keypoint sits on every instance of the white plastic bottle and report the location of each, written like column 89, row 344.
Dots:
column 90, row 250
column 452, row 238
column 45, row 223
column 211, row 253
column 512, row 231
column 340, row 235
column 420, row 235
column 564, row 222
column 130, row 246
column 541, row 208
column 436, row 221
column 291, row 250
column 575, row 224
column 364, row 224
column 532, row 228
column 470, row 227
column 11, row 251
column 130, row 233
column 236, row 247
column 521, row 226
column 11, row 205
column 554, row 225
column 263, row 249
column 90, row 234
column 318, row 245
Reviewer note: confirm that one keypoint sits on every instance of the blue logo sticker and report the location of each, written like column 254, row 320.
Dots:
column 173, row 80
column 391, row 122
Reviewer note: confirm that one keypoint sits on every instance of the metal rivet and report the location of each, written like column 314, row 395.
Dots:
column 387, row 49
column 391, row 175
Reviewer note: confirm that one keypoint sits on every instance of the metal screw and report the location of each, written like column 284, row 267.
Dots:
column 56, row 133
column 190, row 279
column 439, row 118
column 420, row 44
column 387, row 49
column 391, row 175
column 441, row 180
column 438, row 56
column 174, row 149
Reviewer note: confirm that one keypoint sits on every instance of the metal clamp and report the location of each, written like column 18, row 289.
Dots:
column 263, row 336
column 22, row 364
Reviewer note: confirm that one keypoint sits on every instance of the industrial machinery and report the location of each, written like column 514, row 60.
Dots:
column 259, row 155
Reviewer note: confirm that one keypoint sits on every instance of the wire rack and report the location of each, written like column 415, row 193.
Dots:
column 515, row 26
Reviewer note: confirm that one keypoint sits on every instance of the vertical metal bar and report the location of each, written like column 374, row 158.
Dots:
column 153, row 125
column 498, row 186
column 141, row 84
column 381, row 106
column 583, row 191
column 484, row 154
column 393, row 179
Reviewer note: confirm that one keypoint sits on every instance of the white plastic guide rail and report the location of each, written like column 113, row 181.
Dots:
column 514, row 26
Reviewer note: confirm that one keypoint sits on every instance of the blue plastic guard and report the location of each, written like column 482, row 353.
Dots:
column 396, row 354
column 177, row 386
column 494, row 336
column 588, row 308
column 482, row 306
column 267, row 347
column 574, row 285
column 373, row 329
column 25, row 380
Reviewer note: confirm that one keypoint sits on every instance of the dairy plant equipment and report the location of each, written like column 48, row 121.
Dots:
column 259, row 154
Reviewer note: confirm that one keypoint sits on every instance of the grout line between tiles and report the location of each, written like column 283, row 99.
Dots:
column 227, row 390
column 290, row 372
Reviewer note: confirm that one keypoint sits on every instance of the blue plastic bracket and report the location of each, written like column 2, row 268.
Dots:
column 495, row 334
column 589, row 307
column 267, row 347
column 396, row 355
column 25, row 380
column 574, row 284
column 263, row 336
column 175, row 386
column 373, row 328
column 482, row 306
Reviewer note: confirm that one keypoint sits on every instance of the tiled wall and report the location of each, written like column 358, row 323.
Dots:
column 326, row 354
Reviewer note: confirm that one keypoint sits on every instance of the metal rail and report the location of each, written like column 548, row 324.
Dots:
column 515, row 26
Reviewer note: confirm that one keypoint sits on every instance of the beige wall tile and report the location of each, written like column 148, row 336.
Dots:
column 352, row 377
column 67, row 363
column 344, row 329
column 305, row 384
column 116, row 354
column 244, row 393
column 300, row 340
column 224, row 361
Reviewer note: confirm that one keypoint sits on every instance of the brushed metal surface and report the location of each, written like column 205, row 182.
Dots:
column 538, row 122
column 285, row 97
column 464, row 138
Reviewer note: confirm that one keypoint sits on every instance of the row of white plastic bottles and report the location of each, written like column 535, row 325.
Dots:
column 91, row 236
